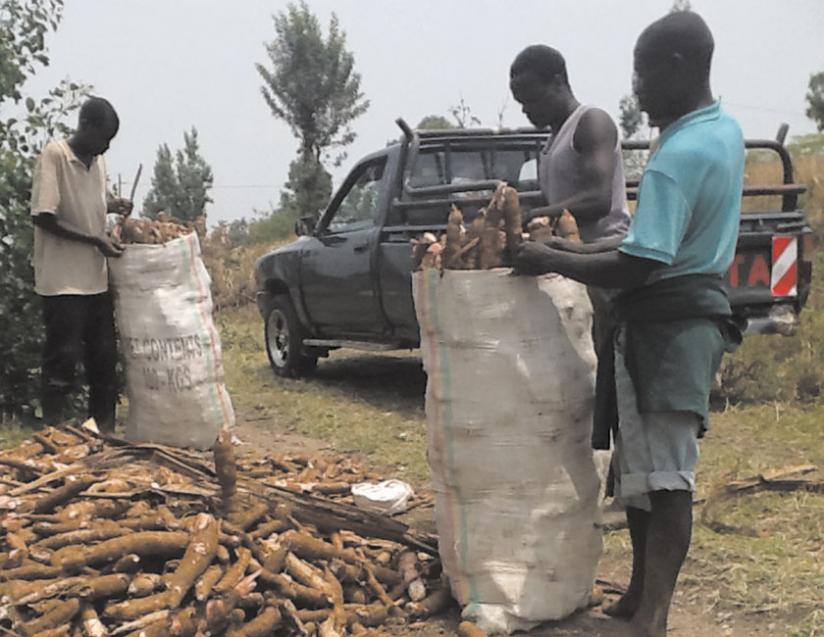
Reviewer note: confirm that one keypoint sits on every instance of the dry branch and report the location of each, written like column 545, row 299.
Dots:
column 772, row 480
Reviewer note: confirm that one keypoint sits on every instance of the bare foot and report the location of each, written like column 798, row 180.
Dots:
column 625, row 607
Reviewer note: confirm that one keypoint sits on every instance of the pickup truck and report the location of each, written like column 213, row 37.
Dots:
column 346, row 281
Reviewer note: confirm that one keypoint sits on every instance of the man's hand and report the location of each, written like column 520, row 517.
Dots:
column 108, row 247
column 120, row 206
column 533, row 258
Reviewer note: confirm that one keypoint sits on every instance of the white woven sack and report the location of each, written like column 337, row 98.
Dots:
column 171, row 347
column 509, row 400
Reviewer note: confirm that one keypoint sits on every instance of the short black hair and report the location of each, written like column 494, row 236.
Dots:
column 684, row 33
column 542, row 61
column 97, row 112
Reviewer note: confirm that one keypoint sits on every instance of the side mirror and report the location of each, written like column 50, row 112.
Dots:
column 305, row 225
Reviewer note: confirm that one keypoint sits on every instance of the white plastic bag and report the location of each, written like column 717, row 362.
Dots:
column 171, row 347
column 389, row 496
column 509, row 400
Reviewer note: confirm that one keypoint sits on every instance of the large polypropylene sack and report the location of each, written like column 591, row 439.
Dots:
column 509, row 401
column 171, row 348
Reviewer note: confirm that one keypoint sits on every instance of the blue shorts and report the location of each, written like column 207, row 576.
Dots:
column 655, row 451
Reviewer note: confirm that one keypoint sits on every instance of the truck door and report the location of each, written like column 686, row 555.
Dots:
column 337, row 269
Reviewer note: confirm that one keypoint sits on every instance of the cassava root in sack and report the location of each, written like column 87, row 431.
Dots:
column 492, row 237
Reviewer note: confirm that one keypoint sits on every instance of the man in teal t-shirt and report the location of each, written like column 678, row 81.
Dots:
column 673, row 315
column 695, row 173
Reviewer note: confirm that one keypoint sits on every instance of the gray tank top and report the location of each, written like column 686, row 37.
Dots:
column 559, row 172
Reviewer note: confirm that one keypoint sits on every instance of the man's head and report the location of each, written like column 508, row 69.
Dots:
column 538, row 81
column 672, row 65
column 97, row 125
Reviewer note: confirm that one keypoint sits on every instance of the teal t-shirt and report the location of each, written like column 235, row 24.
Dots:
column 689, row 198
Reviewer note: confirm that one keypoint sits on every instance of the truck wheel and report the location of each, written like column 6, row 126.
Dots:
column 284, row 341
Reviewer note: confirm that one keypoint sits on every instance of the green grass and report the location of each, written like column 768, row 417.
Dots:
column 12, row 434
column 780, row 568
column 364, row 404
column 775, row 566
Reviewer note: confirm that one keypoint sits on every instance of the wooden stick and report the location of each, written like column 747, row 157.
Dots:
column 47, row 444
column 135, row 182
column 73, row 485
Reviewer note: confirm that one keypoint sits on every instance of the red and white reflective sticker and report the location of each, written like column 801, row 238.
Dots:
column 784, row 278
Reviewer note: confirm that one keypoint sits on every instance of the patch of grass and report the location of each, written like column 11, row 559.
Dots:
column 352, row 402
column 777, row 567
column 812, row 626
column 13, row 433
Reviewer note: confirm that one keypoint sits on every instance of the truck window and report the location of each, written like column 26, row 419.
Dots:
column 465, row 164
column 433, row 168
column 359, row 207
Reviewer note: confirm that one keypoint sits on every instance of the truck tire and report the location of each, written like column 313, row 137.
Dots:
column 284, row 341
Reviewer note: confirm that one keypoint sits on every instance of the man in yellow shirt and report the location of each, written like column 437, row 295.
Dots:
column 69, row 206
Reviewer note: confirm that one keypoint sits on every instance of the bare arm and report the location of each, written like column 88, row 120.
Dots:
column 611, row 269
column 605, row 245
column 595, row 139
column 50, row 223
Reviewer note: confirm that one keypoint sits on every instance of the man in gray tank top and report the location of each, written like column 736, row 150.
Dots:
column 581, row 167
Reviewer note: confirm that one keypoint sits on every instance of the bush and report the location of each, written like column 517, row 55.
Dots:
column 277, row 226
column 231, row 249
column 231, row 264
column 21, row 330
column 25, row 125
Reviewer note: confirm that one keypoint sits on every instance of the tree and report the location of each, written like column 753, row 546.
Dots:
column 180, row 187
column 810, row 144
column 631, row 119
column 815, row 100
column 311, row 84
column 25, row 124
column 630, row 116
column 435, row 122
column 308, row 189
column 463, row 114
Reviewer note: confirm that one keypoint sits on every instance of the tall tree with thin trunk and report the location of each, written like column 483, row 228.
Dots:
column 310, row 83
column 180, row 183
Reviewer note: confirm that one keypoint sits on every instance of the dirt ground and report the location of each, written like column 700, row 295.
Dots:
column 688, row 618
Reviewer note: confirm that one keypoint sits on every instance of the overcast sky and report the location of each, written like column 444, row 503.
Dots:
column 168, row 65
